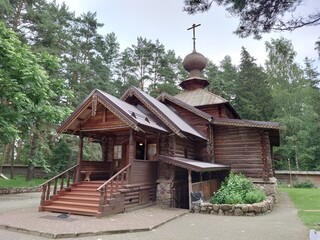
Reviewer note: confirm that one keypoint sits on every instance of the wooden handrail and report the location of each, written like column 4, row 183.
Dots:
column 113, row 177
column 47, row 189
column 59, row 175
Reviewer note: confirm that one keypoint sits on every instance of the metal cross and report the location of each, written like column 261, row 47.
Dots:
column 194, row 34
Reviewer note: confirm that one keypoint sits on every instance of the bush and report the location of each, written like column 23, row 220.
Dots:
column 304, row 184
column 254, row 196
column 236, row 189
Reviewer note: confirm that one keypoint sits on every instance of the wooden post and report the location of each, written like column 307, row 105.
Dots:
column 80, row 153
column 290, row 175
column 264, row 159
column 189, row 187
column 131, row 153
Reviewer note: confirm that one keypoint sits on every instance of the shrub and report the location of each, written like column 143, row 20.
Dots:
column 254, row 196
column 304, row 184
column 235, row 189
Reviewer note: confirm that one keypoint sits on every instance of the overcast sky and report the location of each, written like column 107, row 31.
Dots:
column 164, row 20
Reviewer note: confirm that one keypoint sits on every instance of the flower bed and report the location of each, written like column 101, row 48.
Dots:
column 235, row 209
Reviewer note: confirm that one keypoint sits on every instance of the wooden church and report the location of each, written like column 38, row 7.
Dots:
column 158, row 150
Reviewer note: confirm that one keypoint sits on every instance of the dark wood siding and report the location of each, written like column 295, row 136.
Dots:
column 217, row 111
column 185, row 148
column 103, row 119
column 241, row 148
column 143, row 171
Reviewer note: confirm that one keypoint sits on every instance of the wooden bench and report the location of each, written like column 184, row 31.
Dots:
column 96, row 169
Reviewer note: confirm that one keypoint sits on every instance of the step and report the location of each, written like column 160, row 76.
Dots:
column 83, row 193
column 74, row 210
column 74, row 198
column 75, row 204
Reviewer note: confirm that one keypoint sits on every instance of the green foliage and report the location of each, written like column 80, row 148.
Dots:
column 304, row 184
column 20, row 181
column 236, row 189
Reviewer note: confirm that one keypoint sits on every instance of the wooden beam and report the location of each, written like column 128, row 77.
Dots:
column 189, row 187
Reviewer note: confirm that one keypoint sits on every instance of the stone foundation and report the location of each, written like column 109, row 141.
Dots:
column 235, row 209
column 165, row 185
column 269, row 188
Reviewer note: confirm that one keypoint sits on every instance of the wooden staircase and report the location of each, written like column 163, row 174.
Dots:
column 82, row 198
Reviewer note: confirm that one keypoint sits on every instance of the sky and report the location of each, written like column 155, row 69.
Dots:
column 164, row 20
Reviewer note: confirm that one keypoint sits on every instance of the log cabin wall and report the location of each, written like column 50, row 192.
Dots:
column 241, row 148
column 217, row 111
column 196, row 121
column 185, row 148
column 144, row 171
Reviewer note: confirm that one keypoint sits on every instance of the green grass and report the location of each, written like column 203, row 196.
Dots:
column 306, row 199
column 20, row 181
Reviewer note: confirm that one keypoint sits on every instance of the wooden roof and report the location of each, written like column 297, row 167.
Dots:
column 193, row 165
column 246, row 123
column 164, row 96
column 199, row 97
column 167, row 116
column 128, row 114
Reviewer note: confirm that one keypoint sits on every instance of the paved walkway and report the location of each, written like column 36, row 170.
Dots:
column 19, row 214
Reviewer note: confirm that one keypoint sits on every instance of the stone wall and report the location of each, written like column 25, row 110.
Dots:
column 235, row 209
column 165, row 185
column 19, row 190
column 270, row 188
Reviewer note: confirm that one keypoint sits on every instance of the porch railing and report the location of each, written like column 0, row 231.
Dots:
column 112, row 184
column 57, row 183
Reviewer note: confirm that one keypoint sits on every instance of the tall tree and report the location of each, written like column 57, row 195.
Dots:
column 252, row 96
column 292, row 98
column 222, row 79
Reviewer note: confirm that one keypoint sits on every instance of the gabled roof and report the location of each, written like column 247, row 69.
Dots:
column 129, row 114
column 199, row 97
column 168, row 117
column 164, row 96
column 193, row 165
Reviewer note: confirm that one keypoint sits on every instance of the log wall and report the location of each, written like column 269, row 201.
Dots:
column 217, row 111
column 144, row 171
column 241, row 148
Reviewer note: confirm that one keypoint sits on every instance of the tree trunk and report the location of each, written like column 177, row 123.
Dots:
column 12, row 160
column 33, row 151
column 6, row 155
column 19, row 149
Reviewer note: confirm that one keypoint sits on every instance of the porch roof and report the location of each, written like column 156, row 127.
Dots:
column 193, row 165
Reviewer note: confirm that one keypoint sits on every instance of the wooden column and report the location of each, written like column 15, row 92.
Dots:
column 264, row 159
column 80, row 153
column 189, row 187
column 131, row 153
column 210, row 144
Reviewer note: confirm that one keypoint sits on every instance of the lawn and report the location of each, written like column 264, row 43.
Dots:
column 20, row 181
column 307, row 201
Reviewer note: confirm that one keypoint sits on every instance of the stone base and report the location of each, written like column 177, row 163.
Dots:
column 269, row 188
column 235, row 209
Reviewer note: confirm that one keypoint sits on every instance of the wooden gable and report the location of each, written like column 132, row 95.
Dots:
column 103, row 119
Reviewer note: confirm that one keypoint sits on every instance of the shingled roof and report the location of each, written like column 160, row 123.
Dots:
column 128, row 113
column 168, row 117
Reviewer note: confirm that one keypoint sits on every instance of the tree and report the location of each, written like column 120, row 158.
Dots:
column 257, row 17
column 292, row 94
column 222, row 79
column 27, row 92
column 252, row 94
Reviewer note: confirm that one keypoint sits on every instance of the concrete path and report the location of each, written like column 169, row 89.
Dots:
column 19, row 213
